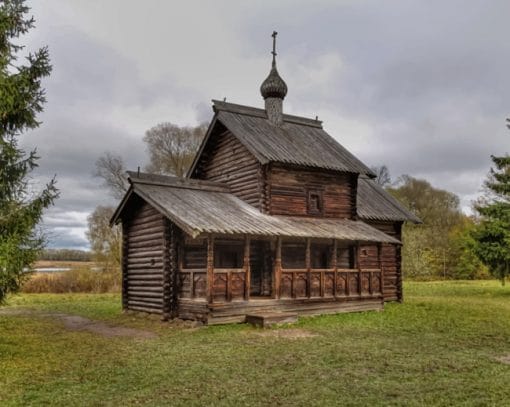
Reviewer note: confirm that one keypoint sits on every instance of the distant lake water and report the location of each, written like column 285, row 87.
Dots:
column 60, row 269
column 51, row 269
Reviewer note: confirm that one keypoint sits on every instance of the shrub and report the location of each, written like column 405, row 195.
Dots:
column 80, row 280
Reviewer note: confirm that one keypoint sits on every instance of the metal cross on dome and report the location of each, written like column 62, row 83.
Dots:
column 274, row 34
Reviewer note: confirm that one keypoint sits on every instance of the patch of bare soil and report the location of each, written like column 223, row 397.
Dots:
column 292, row 334
column 77, row 323
column 504, row 359
column 15, row 312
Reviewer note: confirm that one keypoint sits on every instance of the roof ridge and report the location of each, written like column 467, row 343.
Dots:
column 175, row 182
column 219, row 105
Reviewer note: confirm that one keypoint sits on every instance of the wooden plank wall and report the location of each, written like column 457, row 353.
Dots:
column 144, row 260
column 288, row 192
column 226, row 160
column 391, row 261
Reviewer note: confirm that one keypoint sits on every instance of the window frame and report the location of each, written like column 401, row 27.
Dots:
column 320, row 195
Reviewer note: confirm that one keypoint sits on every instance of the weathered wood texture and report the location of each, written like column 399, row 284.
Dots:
column 171, row 245
column 192, row 274
column 267, row 319
column 226, row 160
column 144, row 248
column 328, row 283
column 391, row 260
column 124, row 265
column 288, row 191
column 236, row 312
column 192, row 283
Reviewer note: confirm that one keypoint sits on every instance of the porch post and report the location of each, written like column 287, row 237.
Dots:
column 358, row 264
column 247, row 270
column 308, row 265
column 277, row 268
column 334, row 264
column 210, row 267
column 381, row 274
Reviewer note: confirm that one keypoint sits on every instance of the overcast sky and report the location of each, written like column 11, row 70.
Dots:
column 421, row 86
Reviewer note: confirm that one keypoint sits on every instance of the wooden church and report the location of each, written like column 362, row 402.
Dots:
column 274, row 216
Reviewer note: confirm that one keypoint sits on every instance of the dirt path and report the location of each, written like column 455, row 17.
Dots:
column 504, row 359
column 77, row 323
column 291, row 333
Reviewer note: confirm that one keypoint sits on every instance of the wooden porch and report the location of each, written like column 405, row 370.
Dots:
column 223, row 295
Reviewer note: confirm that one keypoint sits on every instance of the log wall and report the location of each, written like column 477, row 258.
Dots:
column 288, row 190
column 144, row 260
column 391, row 260
column 226, row 160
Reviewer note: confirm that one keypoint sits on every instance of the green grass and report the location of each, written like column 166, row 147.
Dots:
column 438, row 348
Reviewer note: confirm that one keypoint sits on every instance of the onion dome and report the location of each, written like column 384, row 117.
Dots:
column 273, row 86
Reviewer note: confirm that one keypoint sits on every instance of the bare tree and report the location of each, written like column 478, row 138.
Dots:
column 172, row 148
column 104, row 240
column 112, row 170
column 383, row 177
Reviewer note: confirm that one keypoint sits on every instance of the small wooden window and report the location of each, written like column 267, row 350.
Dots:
column 315, row 202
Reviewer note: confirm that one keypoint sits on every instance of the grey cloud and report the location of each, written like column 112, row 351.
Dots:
column 89, row 73
column 64, row 238
column 430, row 78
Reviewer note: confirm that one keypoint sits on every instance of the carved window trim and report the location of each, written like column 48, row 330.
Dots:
column 315, row 202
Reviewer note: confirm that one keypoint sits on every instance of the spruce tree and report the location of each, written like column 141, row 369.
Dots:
column 21, row 99
column 492, row 236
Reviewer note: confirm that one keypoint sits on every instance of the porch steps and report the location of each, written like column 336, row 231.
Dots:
column 266, row 319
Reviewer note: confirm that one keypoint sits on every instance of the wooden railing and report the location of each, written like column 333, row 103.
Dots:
column 228, row 284
column 192, row 283
column 323, row 283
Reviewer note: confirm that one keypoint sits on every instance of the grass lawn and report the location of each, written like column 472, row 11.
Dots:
column 438, row 348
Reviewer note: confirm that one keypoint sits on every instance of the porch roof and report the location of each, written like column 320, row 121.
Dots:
column 204, row 207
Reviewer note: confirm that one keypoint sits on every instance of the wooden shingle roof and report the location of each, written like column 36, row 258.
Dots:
column 374, row 203
column 198, row 208
column 299, row 141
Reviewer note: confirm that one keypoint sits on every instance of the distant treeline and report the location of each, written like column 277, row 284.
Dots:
column 65, row 255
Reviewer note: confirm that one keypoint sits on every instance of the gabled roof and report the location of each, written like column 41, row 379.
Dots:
column 198, row 208
column 299, row 141
column 374, row 203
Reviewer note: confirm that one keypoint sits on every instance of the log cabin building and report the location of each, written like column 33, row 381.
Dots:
column 274, row 215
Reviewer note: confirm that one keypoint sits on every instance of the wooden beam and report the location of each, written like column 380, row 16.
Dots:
column 124, row 265
column 247, row 268
column 277, row 268
column 358, row 263
column 334, row 264
column 229, row 286
column 169, row 254
column 379, row 261
column 210, row 267
column 308, row 266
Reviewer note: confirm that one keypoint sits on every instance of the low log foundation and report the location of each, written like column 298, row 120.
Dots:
column 237, row 311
